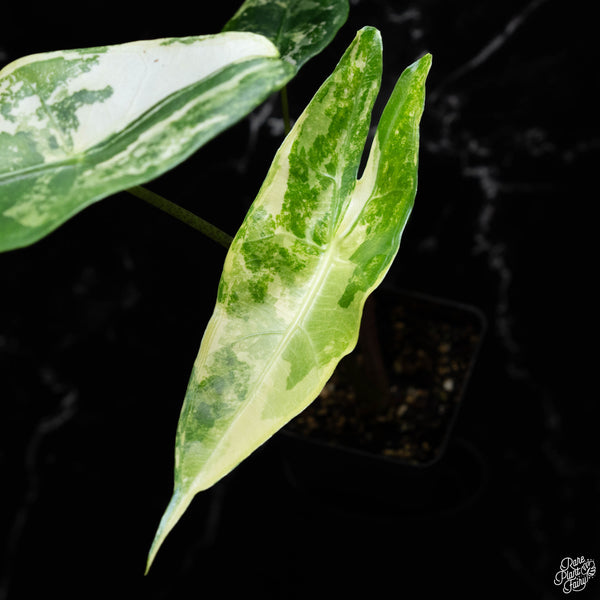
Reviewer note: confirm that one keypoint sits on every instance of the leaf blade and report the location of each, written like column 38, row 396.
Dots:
column 77, row 126
column 284, row 317
column 386, row 178
column 299, row 28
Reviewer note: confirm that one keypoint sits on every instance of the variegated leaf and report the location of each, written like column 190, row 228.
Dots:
column 79, row 125
column 299, row 28
column 314, row 244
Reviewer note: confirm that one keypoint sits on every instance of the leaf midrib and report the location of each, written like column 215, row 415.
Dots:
column 328, row 261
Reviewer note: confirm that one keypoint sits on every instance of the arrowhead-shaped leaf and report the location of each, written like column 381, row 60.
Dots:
column 314, row 244
column 299, row 28
column 79, row 125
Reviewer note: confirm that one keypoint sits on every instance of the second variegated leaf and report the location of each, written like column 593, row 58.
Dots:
column 79, row 125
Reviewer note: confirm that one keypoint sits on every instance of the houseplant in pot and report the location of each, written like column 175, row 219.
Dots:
column 78, row 126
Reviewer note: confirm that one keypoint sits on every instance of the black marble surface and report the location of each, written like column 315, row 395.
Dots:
column 100, row 323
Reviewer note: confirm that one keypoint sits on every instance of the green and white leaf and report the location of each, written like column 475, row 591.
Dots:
column 299, row 28
column 79, row 125
column 313, row 246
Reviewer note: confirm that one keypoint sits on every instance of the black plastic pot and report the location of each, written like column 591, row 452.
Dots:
column 398, row 478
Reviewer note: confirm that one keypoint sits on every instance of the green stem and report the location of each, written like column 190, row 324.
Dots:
column 183, row 215
column 285, row 109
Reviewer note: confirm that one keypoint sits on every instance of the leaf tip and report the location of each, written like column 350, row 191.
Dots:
column 423, row 64
column 175, row 509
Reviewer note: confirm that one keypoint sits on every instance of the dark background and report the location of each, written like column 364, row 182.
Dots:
column 101, row 321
